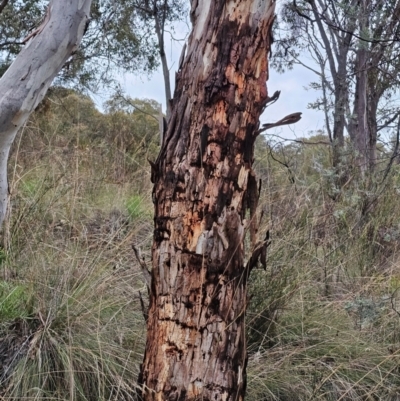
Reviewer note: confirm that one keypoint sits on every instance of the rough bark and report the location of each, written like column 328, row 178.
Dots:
column 202, row 178
column 362, row 138
column 26, row 81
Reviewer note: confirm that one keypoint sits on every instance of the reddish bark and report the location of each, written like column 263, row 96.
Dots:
column 203, row 187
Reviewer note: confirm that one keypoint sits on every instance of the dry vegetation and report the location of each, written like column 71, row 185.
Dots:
column 323, row 318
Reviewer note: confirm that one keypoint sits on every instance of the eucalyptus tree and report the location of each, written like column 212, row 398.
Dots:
column 116, row 35
column 115, row 39
column 26, row 81
column 203, row 186
column 151, row 20
column 354, row 45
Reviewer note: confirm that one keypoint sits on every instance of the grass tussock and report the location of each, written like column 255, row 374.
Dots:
column 71, row 322
column 324, row 317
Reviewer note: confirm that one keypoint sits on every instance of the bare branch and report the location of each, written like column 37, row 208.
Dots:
column 394, row 154
column 301, row 141
column 290, row 119
column 143, row 266
column 388, row 122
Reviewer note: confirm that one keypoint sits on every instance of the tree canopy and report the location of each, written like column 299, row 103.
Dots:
column 121, row 36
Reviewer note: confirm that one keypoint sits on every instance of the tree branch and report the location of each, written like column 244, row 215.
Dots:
column 388, row 122
column 394, row 155
column 3, row 5
column 290, row 119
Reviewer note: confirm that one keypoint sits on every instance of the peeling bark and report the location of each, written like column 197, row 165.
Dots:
column 26, row 81
column 202, row 178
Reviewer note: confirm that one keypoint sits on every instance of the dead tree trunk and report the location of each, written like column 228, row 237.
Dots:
column 203, row 177
column 26, row 81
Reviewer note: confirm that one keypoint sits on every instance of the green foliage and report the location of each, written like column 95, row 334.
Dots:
column 137, row 208
column 117, row 37
column 14, row 301
column 16, row 20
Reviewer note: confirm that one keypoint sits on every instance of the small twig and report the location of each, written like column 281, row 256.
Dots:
column 291, row 175
column 301, row 141
column 10, row 42
column 143, row 266
column 388, row 122
column 394, row 155
column 137, row 108
column 392, row 302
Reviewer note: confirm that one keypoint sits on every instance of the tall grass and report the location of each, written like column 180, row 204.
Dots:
column 327, row 310
column 72, row 327
column 323, row 319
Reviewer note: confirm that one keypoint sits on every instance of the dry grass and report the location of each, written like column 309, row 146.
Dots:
column 326, row 311
column 72, row 327
column 323, row 320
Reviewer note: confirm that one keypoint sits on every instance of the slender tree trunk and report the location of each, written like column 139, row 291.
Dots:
column 26, row 81
column 164, row 64
column 352, row 125
column 339, row 116
column 196, row 347
column 372, row 130
column 358, row 127
column 362, row 137
column 337, row 54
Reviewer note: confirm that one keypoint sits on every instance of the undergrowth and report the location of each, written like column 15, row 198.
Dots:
column 324, row 317
column 72, row 326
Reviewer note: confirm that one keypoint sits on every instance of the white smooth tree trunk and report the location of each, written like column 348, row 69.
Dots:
column 26, row 81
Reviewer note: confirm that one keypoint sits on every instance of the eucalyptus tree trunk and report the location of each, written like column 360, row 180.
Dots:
column 26, row 81
column 203, row 185
column 359, row 130
column 372, row 129
column 159, row 25
column 362, row 137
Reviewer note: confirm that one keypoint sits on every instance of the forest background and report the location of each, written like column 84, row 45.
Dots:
column 323, row 318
